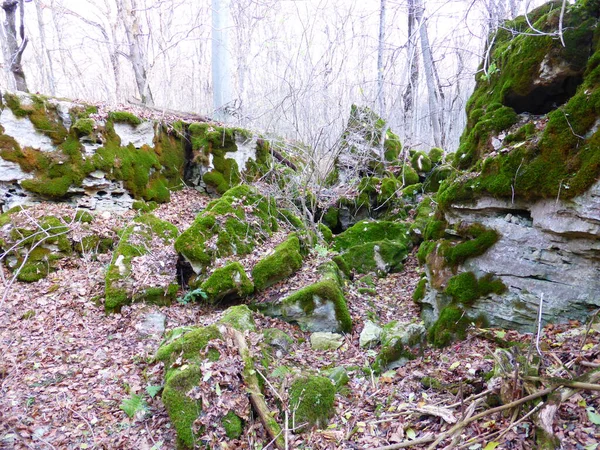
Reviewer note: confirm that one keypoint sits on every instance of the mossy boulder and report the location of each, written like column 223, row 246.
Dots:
column 421, row 162
column 227, row 283
column 374, row 246
column 145, row 245
column 231, row 225
column 186, row 354
column 320, row 306
column 239, row 317
column 283, row 262
column 80, row 151
column 33, row 246
column 398, row 344
column 311, row 401
column 533, row 160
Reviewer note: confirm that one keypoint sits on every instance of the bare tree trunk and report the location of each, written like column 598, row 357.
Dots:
column 429, row 76
column 46, row 57
column 221, row 58
column 133, row 32
column 380, row 102
column 14, row 48
column 409, row 95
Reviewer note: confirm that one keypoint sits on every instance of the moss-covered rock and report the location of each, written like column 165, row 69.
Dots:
column 227, row 283
column 374, row 246
column 421, row 162
column 283, row 262
column 311, row 401
column 398, row 343
column 232, row 224
column 318, row 307
column 33, row 246
column 139, row 246
column 539, row 76
column 239, row 317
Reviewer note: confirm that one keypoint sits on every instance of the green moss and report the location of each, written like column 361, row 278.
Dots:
column 311, row 401
column 84, row 127
column 381, row 257
column 240, row 219
column 124, row 117
column 145, row 207
column 391, row 147
column 187, row 343
column 482, row 240
column 183, row 410
column 431, row 383
column 234, row 426
column 465, row 288
column 420, row 290
column 136, row 241
column 371, row 231
column 42, row 115
column 452, row 324
column 239, row 317
column 421, row 162
column 558, row 161
column 83, row 216
column 424, row 250
column 331, row 217
column 227, row 283
column 312, row 296
column 340, row 262
column 407, row 175
column 325, row 232
column 284, row 262
column 436, row 155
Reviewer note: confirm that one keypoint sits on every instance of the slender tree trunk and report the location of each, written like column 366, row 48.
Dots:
column 409, row 95
column 46, row 57
column 429, row 76
column 380, row 48
column 15, row 48
column 221, row 58
column 133, row 32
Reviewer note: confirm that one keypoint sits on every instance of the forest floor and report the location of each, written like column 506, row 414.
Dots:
column 66, row 367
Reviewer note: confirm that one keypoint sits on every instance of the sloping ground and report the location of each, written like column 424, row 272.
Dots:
column 66, row 367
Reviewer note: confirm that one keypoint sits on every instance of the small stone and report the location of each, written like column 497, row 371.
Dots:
column 153, row 324
column 370, row 335
column 326, row 341
column 105, row 215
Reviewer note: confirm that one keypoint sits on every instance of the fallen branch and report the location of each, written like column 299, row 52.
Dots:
column 256, row 397
column 545, row 418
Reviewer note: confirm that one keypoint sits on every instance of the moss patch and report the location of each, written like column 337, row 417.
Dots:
column 311, row 401
column 239, row 317
column 285, row 261
column 227, row 283
column 136, row 241
column 233, row 224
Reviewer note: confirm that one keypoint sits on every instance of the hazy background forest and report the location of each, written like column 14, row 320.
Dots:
column 292, row 68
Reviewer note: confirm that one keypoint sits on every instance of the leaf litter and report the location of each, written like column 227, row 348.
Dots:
column 66, row 368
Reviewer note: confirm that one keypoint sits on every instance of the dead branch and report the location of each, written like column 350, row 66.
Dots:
column 256, row 397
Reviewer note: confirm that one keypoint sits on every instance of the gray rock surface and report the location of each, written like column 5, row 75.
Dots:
column 547, row 248
column 153, row 324
column 370, row 335
column 326, row 341
column 142, row 134
column 23, row 131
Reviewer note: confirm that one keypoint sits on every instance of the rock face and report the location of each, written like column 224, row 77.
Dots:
column 61, row 151
column 522, row 221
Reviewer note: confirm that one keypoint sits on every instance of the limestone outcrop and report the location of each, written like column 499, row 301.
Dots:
column 99, row 159
column 521, row 221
